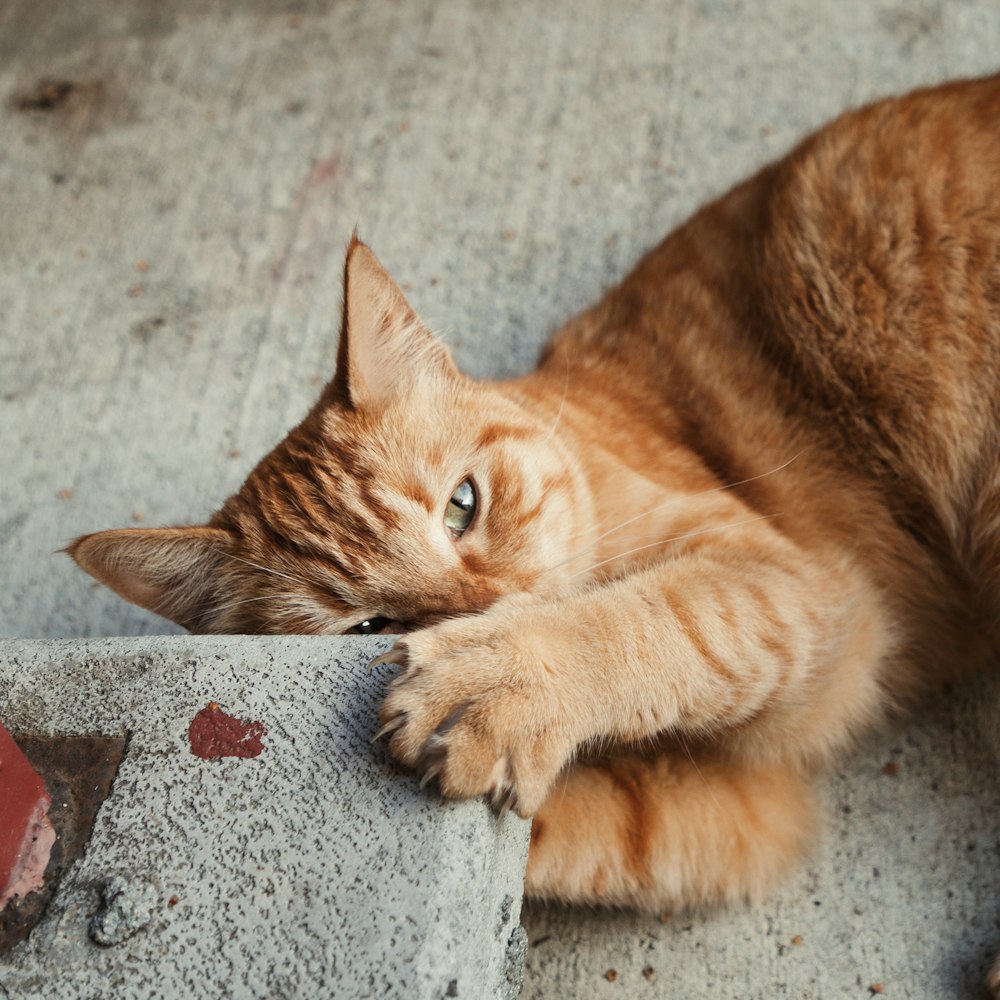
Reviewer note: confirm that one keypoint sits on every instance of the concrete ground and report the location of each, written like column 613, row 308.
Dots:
column 179, row 181
column 312, row 867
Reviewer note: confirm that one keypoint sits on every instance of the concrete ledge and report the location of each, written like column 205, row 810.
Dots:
column 314, row 869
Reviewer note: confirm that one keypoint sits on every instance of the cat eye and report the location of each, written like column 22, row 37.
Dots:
column 370, row 626
column 461, row 508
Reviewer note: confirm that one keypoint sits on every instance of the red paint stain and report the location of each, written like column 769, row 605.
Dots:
column 213, row 734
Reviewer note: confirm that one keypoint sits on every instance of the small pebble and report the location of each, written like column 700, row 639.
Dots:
column 649, row 972
column 126, row 908
column 797, row 940
column 611, row 975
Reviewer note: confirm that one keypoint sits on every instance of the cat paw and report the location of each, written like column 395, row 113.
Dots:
column 474, row 708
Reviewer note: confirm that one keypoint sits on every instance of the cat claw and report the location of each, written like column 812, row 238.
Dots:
column 396, row 656
column 431, row 773
column 502, row 800
column 433, row 758
column 397, row 722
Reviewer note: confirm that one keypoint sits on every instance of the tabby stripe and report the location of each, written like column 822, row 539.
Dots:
column 689, row 625
column 492, row 433
column 343, row 457
column 375, row 505
column 416, row 493
column 638, row 826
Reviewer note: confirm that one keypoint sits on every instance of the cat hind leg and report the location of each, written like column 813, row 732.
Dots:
column 667, row 832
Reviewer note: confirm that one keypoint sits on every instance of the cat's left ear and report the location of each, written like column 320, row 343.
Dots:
column 179, row 573
column 383, row 342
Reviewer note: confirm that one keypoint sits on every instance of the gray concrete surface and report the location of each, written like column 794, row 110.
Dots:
column 903, row 890
column 317, row 869
column 507, row 160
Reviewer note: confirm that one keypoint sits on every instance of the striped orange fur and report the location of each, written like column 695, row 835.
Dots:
column 747, row 504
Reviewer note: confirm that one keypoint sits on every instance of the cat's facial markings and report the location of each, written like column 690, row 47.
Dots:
column 409, row 494
column 379, row 523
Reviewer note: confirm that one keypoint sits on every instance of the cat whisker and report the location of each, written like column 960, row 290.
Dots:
column 264, row 569
column 212, row 611
column 674, row 538
column 697, row 770
column 218, row 608
column 673, row 503
column 562, row 404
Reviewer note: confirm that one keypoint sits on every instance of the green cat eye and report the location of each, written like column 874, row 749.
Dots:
column 461, row 508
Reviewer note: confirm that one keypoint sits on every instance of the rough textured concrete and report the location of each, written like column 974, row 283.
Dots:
column 170, row 255
column 903, row 890
column 315, row 869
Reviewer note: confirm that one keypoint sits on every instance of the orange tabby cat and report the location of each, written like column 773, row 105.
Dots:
column 748, row 503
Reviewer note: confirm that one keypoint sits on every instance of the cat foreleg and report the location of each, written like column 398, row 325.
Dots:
column 718, row 640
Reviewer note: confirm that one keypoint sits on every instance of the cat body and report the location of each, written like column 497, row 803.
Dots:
column 747, row 505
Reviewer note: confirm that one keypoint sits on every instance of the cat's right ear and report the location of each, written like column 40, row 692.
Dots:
column 383, row 342
column 175, row 572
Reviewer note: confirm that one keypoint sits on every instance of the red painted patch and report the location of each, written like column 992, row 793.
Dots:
column 214, row 734
column 26, row 835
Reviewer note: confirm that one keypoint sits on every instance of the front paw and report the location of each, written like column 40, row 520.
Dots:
column 476, row 707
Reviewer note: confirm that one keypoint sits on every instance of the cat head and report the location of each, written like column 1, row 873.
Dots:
column 409, row 493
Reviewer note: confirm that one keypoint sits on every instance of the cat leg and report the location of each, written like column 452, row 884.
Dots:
column 752, row 641
column 667, row 832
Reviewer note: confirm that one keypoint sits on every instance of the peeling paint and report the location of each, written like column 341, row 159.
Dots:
column 26, row 834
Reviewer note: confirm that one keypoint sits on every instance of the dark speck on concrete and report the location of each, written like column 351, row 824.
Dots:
column 46, row 95
column 145, row 329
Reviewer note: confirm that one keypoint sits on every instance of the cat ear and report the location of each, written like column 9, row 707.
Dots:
column 383, row 342
column 174, row 572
